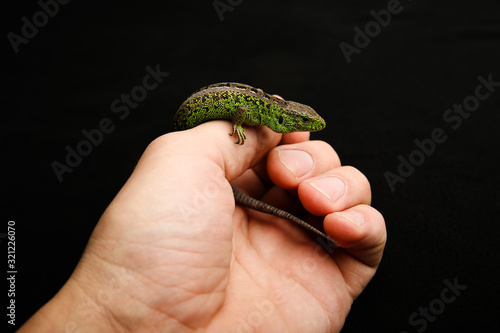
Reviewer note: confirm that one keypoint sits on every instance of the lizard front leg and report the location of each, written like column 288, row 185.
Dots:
column 238, row 119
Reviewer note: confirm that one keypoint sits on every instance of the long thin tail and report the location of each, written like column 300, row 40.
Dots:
column 247, row 201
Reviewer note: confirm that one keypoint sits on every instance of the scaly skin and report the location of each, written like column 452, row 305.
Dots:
column 245, row 105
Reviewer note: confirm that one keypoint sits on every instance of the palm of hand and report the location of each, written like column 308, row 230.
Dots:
column 225, row 271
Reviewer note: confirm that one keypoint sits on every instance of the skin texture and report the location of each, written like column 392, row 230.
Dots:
column 172, row 252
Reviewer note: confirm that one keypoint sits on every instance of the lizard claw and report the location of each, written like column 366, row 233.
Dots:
column 240, row 132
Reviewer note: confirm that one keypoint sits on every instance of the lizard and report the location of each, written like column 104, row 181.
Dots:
column 246, row 105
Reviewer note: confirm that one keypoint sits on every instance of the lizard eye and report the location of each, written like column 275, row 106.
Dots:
column 280, row 120
column 305, row 119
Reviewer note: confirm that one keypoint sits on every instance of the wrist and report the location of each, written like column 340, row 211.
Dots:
column 70, row 310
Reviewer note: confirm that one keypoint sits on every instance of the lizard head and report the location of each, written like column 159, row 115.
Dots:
column 298, row 118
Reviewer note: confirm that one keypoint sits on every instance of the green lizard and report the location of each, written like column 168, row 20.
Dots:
column 246, row 105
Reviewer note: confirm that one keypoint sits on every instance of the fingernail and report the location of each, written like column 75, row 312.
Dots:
column 353, row 216
column 297, row 161
column 331, row 187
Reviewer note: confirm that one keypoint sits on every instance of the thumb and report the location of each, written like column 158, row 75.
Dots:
column 183, row 176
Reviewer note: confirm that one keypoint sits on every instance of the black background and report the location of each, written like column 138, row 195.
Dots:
column 442, row 221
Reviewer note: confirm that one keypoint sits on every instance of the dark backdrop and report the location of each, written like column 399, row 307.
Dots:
column 391, row 97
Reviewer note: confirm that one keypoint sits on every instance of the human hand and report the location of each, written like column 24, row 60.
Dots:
column 172, row 253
